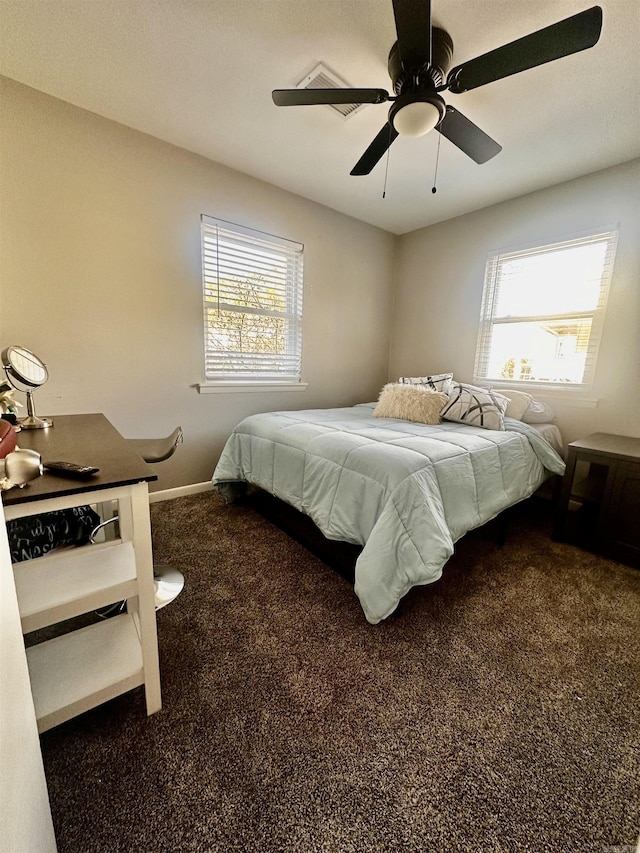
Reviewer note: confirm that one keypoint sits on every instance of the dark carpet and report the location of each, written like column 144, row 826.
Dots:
column 497, row 712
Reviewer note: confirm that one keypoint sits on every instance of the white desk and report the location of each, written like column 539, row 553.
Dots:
column 81, row 669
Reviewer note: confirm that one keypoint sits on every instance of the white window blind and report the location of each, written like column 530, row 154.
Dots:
column 542, row 313
column 252, row 285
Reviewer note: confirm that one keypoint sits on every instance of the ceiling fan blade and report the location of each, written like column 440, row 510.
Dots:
column 375, row 151
column 413, row 26
column 571, row 35
column 308, row 97
column 467, row 136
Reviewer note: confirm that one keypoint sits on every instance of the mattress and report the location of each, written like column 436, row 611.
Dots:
column 405, row 492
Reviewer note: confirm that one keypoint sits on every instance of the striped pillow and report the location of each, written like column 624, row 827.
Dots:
column 475, row 407
column 436, row 382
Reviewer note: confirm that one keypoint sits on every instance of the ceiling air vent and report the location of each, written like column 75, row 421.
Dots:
column 322, row 78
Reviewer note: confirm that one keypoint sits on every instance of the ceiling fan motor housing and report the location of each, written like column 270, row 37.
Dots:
column 418, row 107
column 428, row 76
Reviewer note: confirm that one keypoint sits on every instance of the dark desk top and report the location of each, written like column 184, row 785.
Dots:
column 83, row 440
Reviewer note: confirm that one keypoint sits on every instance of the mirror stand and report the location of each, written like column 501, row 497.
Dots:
column 32, row 421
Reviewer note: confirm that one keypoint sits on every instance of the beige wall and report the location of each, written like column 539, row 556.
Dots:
column 100, row 274
column 440, row 274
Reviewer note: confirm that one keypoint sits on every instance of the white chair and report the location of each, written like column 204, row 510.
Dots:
column 168, row 582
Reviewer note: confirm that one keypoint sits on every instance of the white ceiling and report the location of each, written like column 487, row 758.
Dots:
column 199, row 74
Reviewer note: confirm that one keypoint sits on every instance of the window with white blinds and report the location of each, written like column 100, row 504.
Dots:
column 252, row 285
column 542, row 313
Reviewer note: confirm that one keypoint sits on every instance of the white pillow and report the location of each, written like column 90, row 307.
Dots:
column 436, row 382
column 519, row 402
column 410, row 403
column 475, row 407
column 539, row 413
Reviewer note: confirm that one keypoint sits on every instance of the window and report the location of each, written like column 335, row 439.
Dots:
column 252, row 285
column 542, row 313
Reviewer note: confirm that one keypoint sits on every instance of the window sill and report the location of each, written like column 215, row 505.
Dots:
column 575, row 397
column 235, row 387
column 568, row 398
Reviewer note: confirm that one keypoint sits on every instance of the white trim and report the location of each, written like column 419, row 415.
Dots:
column 256, row 236
column 559, row 394
column 180, row 492
column 233, row 387
column 552, row 240
column 568, row 400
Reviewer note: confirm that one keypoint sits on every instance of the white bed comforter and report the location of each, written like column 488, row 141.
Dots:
column 404, row 491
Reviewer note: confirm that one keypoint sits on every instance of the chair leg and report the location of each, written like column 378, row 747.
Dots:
column 168, row 582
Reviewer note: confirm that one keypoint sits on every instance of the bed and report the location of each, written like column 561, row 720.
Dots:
column 404, row 491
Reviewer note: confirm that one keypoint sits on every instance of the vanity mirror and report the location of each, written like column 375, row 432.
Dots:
column 25, row 371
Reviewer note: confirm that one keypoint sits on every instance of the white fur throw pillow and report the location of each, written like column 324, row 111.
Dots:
column 410, row 403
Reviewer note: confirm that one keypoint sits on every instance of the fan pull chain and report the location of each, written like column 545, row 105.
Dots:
column 386, row 168
column 435, row 175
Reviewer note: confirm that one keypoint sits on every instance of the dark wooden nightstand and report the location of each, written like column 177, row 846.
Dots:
column 599, row 503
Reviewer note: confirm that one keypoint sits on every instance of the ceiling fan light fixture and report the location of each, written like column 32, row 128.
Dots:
column 415, row 117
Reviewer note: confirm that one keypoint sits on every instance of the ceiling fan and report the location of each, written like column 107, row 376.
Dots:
column 418, row 62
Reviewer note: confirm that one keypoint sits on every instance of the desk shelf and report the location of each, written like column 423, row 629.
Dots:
column 77, row 671
column 62, row 585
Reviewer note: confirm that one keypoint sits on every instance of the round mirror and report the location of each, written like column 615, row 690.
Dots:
column 24, row 368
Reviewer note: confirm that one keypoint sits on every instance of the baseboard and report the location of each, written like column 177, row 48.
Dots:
column 179, row 492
